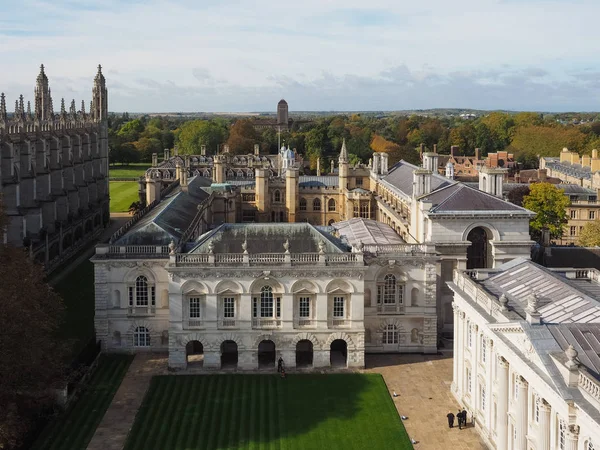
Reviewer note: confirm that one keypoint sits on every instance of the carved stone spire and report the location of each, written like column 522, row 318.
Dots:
column 2, row 107
column 42, row 99
column 343, row 152
column 50, row 106
column 63, row 109
column 28, row 108
column 73, row 109
column 21, row 105
column 99, row 108
column 83, row 107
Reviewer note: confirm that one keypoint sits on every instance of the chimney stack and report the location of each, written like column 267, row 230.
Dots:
column 421, row 150
column 454, row 150
column 256, row 149
column 166, row 156
column 203, row 150
column 477, row 154
column 154, row 159
column 594, row 154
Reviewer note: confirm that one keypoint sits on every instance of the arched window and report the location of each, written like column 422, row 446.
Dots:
column 414, row 297
column 390, row 334
column 316, row 204
column 331, row 205
column 141, row 337
column 302, row 204
column 277, row 196
column 142, row 294
column 266, row 306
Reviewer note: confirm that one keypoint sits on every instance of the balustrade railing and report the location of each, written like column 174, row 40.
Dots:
column 589, row 385
column 266, row 323
column 266, row 258
column 193, row 323
column 339, row 323
column 305, row 258
column 129, row 251
column 390, row 308
column 141, row 310
column 227, row 323
column 304, row 323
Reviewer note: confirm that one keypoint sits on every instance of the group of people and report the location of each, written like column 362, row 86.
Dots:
column 280, row 367
column 461, row 417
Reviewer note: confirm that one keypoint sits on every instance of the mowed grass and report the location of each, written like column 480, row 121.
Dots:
column 127, row 171
column 75, row 428
column 122, row 195
column 336, row 411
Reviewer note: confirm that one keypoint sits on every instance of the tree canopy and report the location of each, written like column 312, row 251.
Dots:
column 550, row 204
column 242, row 137
column 590, row 235
column 190, row 136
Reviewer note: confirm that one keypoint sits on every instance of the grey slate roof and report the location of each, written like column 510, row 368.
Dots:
column 367, row 231
column 170, row 218
column 268, row 238
column 578, row 257
column 400, row 175
column 560, row 300
column 464, row 198
column 586, row 340
column 574, row 170
column 315, row 181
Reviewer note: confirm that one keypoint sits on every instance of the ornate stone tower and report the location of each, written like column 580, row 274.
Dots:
column 282, row 113
column 99, row 97
column 43, row 101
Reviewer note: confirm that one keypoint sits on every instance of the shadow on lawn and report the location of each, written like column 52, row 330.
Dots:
column 236, row 411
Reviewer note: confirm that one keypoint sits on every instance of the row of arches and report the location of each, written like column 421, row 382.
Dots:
column 267, row 354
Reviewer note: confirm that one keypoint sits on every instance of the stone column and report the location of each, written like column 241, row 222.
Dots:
column 521, row 414
column 543, row 437
column 572, row 437
column 456, row 360
column 502, row 404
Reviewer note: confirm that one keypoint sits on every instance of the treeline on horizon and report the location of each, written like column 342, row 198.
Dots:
column 527, row 135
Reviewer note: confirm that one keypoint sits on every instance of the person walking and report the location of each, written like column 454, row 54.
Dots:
column 450, row 417
column 280, row 364
column 464, row 416
column 459, row 417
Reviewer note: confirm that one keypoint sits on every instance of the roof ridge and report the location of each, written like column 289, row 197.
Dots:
column 460, row 186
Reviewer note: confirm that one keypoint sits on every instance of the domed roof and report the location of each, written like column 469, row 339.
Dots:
column 289, row 154
column 282, row 102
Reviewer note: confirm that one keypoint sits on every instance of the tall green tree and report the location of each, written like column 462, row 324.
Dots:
column 242, row 137
column 190, row 136
column 550, row 205
column 590, row 235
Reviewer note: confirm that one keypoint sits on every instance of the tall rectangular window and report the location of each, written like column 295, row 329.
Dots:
column 573, row 214
column 254, row 307
column 194, row 307
column 482, row 398
column 592, row 215
column 338, row 306
column 469, row 379
column 572, row 231
column 228, row 307
column 266, row 307
column 278, row 307
column 304, row 306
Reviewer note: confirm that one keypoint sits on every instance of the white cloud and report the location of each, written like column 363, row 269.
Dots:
column 245, row 55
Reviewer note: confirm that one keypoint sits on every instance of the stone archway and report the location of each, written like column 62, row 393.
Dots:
column 229, row 355
column 304, row 354
column 479, row 252
column 266, row 354
column 338, row 353
column 194, row 353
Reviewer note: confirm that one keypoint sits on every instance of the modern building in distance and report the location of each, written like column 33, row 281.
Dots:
column 282, row 121
column 54, row 171
column 527, row 355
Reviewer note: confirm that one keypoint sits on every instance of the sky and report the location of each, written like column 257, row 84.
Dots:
column 320, row 55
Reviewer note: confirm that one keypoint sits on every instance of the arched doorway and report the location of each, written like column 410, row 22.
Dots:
column 304, row 353
column 229, row 355
column 338, row 353
column 194, row 353
column 478, row 256
column 266, row 354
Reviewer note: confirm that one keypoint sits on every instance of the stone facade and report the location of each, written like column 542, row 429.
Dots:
column 516, row 365
column 54, row 172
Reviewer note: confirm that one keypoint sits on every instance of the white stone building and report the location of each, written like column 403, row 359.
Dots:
column 527, row 355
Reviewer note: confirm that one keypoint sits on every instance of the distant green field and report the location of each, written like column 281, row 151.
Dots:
column 122, row 195
column 75, row 428
column 266, row 412
column 131, row 170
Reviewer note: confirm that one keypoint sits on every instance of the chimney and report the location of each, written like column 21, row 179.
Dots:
column 421, row 150
column 490, row 180
column 574, row 158
column 594, row 154
column 565, row 155
column 318, row 167
column 421, row 182
column 154, row 159
column 595, row 165
column 430, row 161
column 477, row 154
column 176, row 151
column 203, row 150
column 166, row 156
column 256, row 149
column 226, row 148
column 542, row 175
column 586, row 161
column 454, row 150
column 183, row 181
column 518, row 177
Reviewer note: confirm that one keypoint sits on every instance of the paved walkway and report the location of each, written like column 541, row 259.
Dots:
column 118, row 419
column 423, row 385
column 422, row 382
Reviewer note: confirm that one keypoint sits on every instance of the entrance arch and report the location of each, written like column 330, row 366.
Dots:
column 229, row 355
column 266, row 354
column 338, row 353
column 479, row 252
column 194, row 354
column 304, row 353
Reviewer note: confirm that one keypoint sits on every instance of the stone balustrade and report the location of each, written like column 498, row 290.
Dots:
column 589, row 385
column 266, row 259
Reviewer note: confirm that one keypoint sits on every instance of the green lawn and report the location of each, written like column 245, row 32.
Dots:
column 122, row 195
column 77, row 291
column 336, row 411
column 74, row 429
column 131, row 170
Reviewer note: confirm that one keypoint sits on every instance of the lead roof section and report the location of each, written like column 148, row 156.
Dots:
column 170, row 218
column 559, row 300
column 268, row 238
column 585, row 338
column 367, row 231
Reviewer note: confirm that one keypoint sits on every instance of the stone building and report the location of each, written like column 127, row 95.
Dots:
column 54, row 171
column 527, row 355
column 574, row 169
